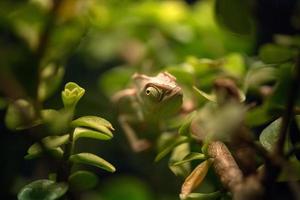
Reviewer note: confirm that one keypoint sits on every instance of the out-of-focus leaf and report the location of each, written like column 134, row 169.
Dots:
column 209, row 97
column 203, row 196
column 115, row 80
column 194, row 179
column 184, row 129
column 170, row 145
column 259, row 75
column 270, row 134
column 57, row 121
column 178, row 154
column 43, row 189
column 83, row 180
column 91, row 159
column 183, row 74
column 80, row 132
column 72, row 94
column 51, row 77
column 235, row 65
column 20, row 115
column 94, row 122
column 272, row 53
column 282, row 88
column 258, row 116
column 129, row 188
column 234, row 14
column 290, row 172
column 190, row 157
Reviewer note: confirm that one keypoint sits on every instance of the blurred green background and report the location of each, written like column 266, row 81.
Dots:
column 101, row 44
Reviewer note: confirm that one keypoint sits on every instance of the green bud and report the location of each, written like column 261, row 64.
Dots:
column 72, row 94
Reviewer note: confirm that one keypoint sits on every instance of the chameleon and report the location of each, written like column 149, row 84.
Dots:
column 151, row 99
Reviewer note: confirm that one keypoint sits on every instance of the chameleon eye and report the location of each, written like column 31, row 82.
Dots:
column 153, row 92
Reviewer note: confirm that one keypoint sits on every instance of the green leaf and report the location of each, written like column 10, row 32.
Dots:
column 91, row 159
column 20, row 115
column 203, row 196
column 57, row 121
column 83, row 180
column 72, row 94
column 258, row 116
column 183, row 74
column 178, row 153
column 190, row 157
column 50, row 79
column 34, row 153
column 270, row 135
column 290, row 172
column 50, row 143
column 235, row 65
column 94, row 122
column 184, row 129
column 125, row 188
column 209, row 97
column 89, row 133
column 258, row 76
column 171, row 144
column 272, row 53
column 42, row 190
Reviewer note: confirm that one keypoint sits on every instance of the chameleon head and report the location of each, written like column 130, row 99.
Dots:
column 159, row 95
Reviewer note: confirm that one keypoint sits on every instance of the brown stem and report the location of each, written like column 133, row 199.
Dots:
column 225, row 165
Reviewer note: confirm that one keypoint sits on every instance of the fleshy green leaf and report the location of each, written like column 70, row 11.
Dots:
column 83, row 180
column 42, row 190
column 89, row 133
column 55, row 152
column 91, row 159
column 171, row 144
column 272, row 53
column 51, row 143
column 203, row 196
column 190, row 157
column 94, row 122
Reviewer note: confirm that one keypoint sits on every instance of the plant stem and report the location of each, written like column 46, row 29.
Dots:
column 288, row 113
column 64, row 169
